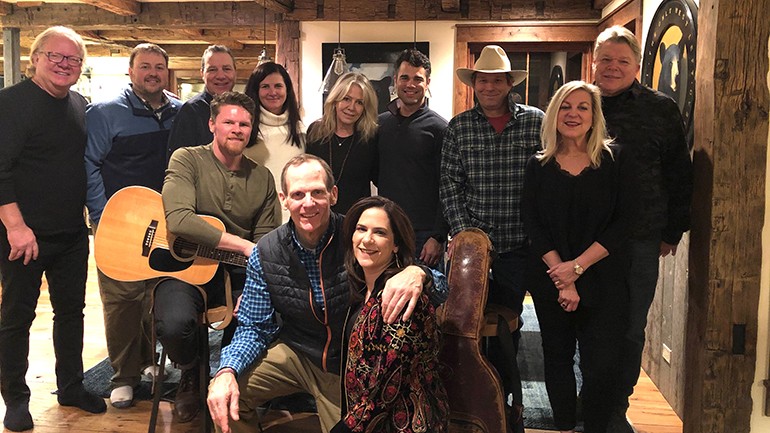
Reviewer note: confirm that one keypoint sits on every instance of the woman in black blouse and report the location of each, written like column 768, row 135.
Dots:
column 575, row 223
column 345, row 138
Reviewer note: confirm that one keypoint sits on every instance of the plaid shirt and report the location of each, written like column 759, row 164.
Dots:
column 482, row 173
column 257, row 326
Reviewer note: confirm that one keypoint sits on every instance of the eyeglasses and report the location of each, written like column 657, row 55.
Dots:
column 54, row 57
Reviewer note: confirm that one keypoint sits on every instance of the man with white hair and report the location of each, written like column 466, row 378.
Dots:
column 42, row 196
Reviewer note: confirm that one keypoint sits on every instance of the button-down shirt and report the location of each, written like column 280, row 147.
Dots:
column 482, row 173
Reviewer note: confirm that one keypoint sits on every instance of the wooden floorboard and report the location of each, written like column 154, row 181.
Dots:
column 649, row 411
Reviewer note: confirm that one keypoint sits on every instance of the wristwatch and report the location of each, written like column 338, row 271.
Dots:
column 578, row 269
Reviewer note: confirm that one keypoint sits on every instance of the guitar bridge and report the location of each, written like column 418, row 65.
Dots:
column 149, row 236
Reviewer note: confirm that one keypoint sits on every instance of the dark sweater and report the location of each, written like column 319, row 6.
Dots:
column 353, row 162
column 42, row 145
column 567, row 213
column 650, row 129
column 409, row 150
column 191, row 125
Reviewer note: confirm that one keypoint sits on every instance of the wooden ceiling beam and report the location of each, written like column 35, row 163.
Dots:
column 119, row 7
column 195, row 51
column 600, row 4
column 5, row 9
column 225, row 15
column 284, row 7
column 450, row 5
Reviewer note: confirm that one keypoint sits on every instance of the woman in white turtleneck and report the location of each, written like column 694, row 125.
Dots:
column 278, row 133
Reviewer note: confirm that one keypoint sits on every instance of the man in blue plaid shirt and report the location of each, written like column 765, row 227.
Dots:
column 297, row 273
column 484, row 154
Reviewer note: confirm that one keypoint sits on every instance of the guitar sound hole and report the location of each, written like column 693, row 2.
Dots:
column 162, row 261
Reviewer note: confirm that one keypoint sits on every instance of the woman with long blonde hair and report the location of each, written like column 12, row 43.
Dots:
column 345, row 138
column 575, row 219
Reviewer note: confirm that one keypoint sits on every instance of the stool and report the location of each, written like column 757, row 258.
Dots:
column 500, row 321
column 220, row 314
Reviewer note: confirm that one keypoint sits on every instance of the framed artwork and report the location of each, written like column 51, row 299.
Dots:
column 375, row 60
column 669, row 56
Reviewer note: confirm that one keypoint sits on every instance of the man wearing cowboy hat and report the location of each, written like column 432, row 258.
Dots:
column 483, row 157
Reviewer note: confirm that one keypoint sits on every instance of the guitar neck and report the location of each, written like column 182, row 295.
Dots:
column 229, row 257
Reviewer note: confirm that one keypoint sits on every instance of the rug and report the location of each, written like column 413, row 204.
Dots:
column 97, row 378
column 537, row 409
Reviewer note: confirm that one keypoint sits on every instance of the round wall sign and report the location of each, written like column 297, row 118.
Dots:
column 669, row 56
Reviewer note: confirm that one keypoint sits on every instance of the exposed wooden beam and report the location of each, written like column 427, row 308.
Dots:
column 178, row 50
column 120, row 7
column 223, row 15
column 450, row 5
column 284, row 7
column 208, row 35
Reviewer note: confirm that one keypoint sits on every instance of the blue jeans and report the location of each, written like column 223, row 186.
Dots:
column 642, row 280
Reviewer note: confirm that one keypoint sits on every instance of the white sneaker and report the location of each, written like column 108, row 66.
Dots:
column 152, row 372
column 122, row 397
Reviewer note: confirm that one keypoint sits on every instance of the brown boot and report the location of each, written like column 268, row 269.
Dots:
column 188, row 400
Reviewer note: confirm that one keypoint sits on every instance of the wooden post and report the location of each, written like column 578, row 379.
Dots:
column 730, row 157
column 11, row 56
column 287, row 51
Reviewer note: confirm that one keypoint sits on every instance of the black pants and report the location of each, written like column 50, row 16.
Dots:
column 507, row 288
column 178, row 306
column 64, row 261
column 598, row 329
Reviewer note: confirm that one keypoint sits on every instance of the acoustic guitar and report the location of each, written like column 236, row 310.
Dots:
column 132, row 243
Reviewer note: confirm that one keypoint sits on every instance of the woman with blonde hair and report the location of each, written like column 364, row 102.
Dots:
column 345, row 138
column 574, row 217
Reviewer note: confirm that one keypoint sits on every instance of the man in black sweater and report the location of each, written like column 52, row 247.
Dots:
column 42, row 197
column 409, row 145
column 648, row 127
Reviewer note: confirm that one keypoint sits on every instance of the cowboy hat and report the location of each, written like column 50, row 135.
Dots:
column 492, row 60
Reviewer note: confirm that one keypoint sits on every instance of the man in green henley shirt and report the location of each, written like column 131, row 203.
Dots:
column 217, row 180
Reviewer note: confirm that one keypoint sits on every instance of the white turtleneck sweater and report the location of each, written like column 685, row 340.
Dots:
column 272, row 148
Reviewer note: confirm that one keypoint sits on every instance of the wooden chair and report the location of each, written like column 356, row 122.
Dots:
column 216, row 318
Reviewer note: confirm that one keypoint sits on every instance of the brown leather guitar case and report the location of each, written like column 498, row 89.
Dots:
column 472, row 383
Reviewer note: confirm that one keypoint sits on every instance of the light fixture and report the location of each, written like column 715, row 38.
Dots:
column 339, row 65
column 264, row 57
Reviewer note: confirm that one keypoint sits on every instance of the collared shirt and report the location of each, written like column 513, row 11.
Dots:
column 257, row 325
column 482, row 173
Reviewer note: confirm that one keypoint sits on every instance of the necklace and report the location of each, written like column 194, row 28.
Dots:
column 340, row 143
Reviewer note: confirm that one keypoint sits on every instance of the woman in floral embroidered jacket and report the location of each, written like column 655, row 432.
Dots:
column 391, row 381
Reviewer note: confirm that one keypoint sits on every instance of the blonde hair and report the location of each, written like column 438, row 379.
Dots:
column 619, row 35
column 598, row 138
column 366, row 125
column 47, row 34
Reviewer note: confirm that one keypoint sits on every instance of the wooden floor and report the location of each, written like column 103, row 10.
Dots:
column 649, row 412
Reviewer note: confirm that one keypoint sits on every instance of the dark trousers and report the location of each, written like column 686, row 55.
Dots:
column 420, row 237
column 64, row 261
column 507, row 288
column 642, row 280
column 598, row 329
column 178, row 307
